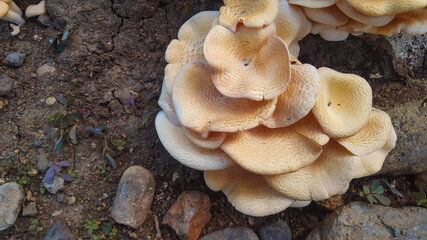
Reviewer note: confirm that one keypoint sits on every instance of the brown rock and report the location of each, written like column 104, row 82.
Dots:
column 134, row 197
column 189, row 214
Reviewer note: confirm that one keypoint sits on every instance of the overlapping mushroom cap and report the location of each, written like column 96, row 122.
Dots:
column 9, row 11
column 269, row 131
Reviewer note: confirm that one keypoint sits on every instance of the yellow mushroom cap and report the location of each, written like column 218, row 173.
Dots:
column 202, row 108
column 247, row 192
column 213, row 141
column 189, row 46
column 329, row 15
column 372, row 137
column 36, row 9
column 310, row 128
column 248, row 63
column 386, row 7
column 329, row 33
column 313, row 4
column 329, row 175
column 4, row 8
column 355, row 14
column 182, row 149
column 291, row 24
column 343, row 104
column 298, row 98
column 6, row 1
column 252, row 13
column 263, row 150
column 372, row 163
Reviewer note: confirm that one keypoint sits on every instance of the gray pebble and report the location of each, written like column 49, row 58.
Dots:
column 15, row 59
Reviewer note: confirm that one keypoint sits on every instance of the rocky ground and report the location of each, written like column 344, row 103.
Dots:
column 112, row 65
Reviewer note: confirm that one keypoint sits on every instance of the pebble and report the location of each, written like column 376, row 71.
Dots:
column 29, row 210
column 50, row 101
column 15, row 59
column 189, row 214
column 38, row 143
column 44, row 69
column 71, row 200
column 134, row 197
column 58, row 184
column 275, row 231
column 60, row 197
column 235, row 233
column 11, row 195
column 43, row 162
column 59, row 232
column 133, row 235
column 6, row 85
column 33, row 172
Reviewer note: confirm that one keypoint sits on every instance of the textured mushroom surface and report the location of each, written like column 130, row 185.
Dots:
column 386, row 7
column 313, row 4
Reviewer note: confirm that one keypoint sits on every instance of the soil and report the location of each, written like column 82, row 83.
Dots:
column 116, row 51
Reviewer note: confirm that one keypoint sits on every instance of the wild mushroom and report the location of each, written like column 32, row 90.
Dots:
column 212, row 141
column 182, row 149
column 355, row 14
column 9, row 11
column 249, row 63
column 202, row 108
column 298, row 98
column 40, row 11
column 344, row 103
column 313, row 4
column 386, row 7
column 189, row 46
column 330, row 15
column 329, row 33
column 252, row 13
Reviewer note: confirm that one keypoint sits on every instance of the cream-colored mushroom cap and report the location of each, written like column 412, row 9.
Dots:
column 182, row 149
column 165, row 102
column 329, row 175
column 343, row 104
column 202, row 108
column 213, row 141
column 329, row 15
column 313, row 4
column 252, row 13
column 15, row 8
column 372, row 163
column 6, row 1
column 10, row 12
column 355, row 14
column 189, row 46
column 247, row 192
column 372, row 137
column 329, row 33
column 412, row 23
column 263, row 150
column 248, row 63
column 4, row 8
column 386, row 7
column 36, row 10
column 291, row 24
column 298, row 99
column 310, row 128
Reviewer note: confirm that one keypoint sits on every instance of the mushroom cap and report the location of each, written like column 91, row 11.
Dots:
column 313, row 4
column 372, row 163
column 213, row 141
column 343, row 104
column 189, row 46
column 13, row 17
column 182, row 149
column 310, row 128
column 165, row 102
column 386, row 7
column 247, row 192
column 6, row 1
column 4, row 8
column 298, row 98
column 329, row 175
column 291, row 24
column 329, row 33
column 263, row 150
column 355, row 14
column 300, row 204
column 412, row 23
column 329, row 15
column 36, row 9
column 202, row 108
column 372, row 137
column 252, row 13
column 248, row 63
column 355, row 27
column 14, row 8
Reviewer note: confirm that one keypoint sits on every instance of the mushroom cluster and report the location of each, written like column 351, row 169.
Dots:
column 9, row 11
column 267, row 130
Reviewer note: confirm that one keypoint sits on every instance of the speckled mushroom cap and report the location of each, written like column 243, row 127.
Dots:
column 252, row 13
column 386, row 7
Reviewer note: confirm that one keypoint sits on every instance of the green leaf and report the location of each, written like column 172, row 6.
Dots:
column 383, row 200
column 50, row 117
column 371, row 199
column 375, row 184
column 74, row 117
column 24, row 180
column 73, row 134
column 70, row 101
column 106, row 229
column 361, row 194
column 111, row 160
column 58, row 144
column 58, row 120
column 379, row 190
column 366, row 189
column 95, row 226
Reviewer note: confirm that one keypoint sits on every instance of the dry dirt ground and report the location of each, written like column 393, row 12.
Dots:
column 116, row 51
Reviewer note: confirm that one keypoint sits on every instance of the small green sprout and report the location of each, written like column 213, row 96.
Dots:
column 120, row 145
column 375, row 194
column 92, row 225
column 24, row 180
column 422, row 199
column 42, row 189
column 34, row 227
